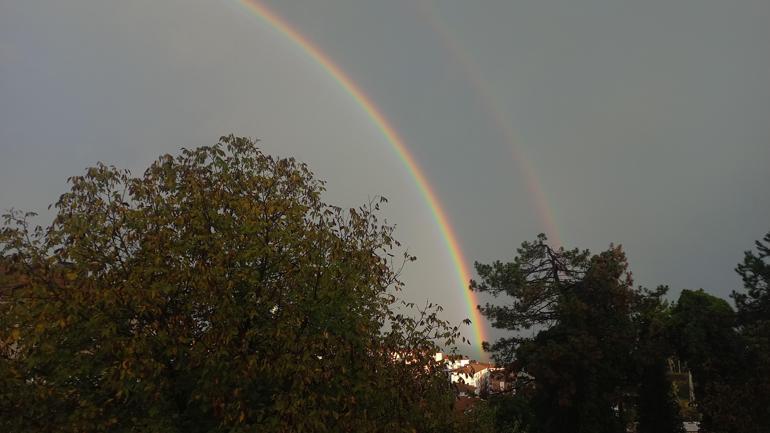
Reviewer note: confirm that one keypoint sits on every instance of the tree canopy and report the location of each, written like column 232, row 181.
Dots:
column 598, row 353
column 728, row 349
column 216, row 292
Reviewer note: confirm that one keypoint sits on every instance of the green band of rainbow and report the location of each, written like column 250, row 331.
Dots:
column 395, row 140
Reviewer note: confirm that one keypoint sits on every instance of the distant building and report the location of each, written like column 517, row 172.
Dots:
column 470, row 379
column 476, row 374
column 452, row 361
column 500, row 380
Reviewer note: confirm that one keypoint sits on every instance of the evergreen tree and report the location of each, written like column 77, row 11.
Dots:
column 583, row 355
column 753, row 316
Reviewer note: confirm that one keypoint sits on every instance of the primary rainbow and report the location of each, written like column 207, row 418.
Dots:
column 463, row 275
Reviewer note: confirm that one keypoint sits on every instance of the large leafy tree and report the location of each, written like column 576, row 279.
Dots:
column 584, row 318
column 216, row 292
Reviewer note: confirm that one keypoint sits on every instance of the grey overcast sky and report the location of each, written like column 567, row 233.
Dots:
column 642, row 123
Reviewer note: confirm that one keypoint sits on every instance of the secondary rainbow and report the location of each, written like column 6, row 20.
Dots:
column 497, row 114
column 392, row 136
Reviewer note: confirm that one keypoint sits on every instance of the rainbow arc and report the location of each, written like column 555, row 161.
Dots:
column 398, row 144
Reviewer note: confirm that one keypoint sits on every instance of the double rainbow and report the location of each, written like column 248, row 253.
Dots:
column 392, row 136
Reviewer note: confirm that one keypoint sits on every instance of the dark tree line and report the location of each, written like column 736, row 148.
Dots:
column 598, row 358
column 217, row 292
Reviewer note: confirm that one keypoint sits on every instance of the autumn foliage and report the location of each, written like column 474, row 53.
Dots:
column 216, row 292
